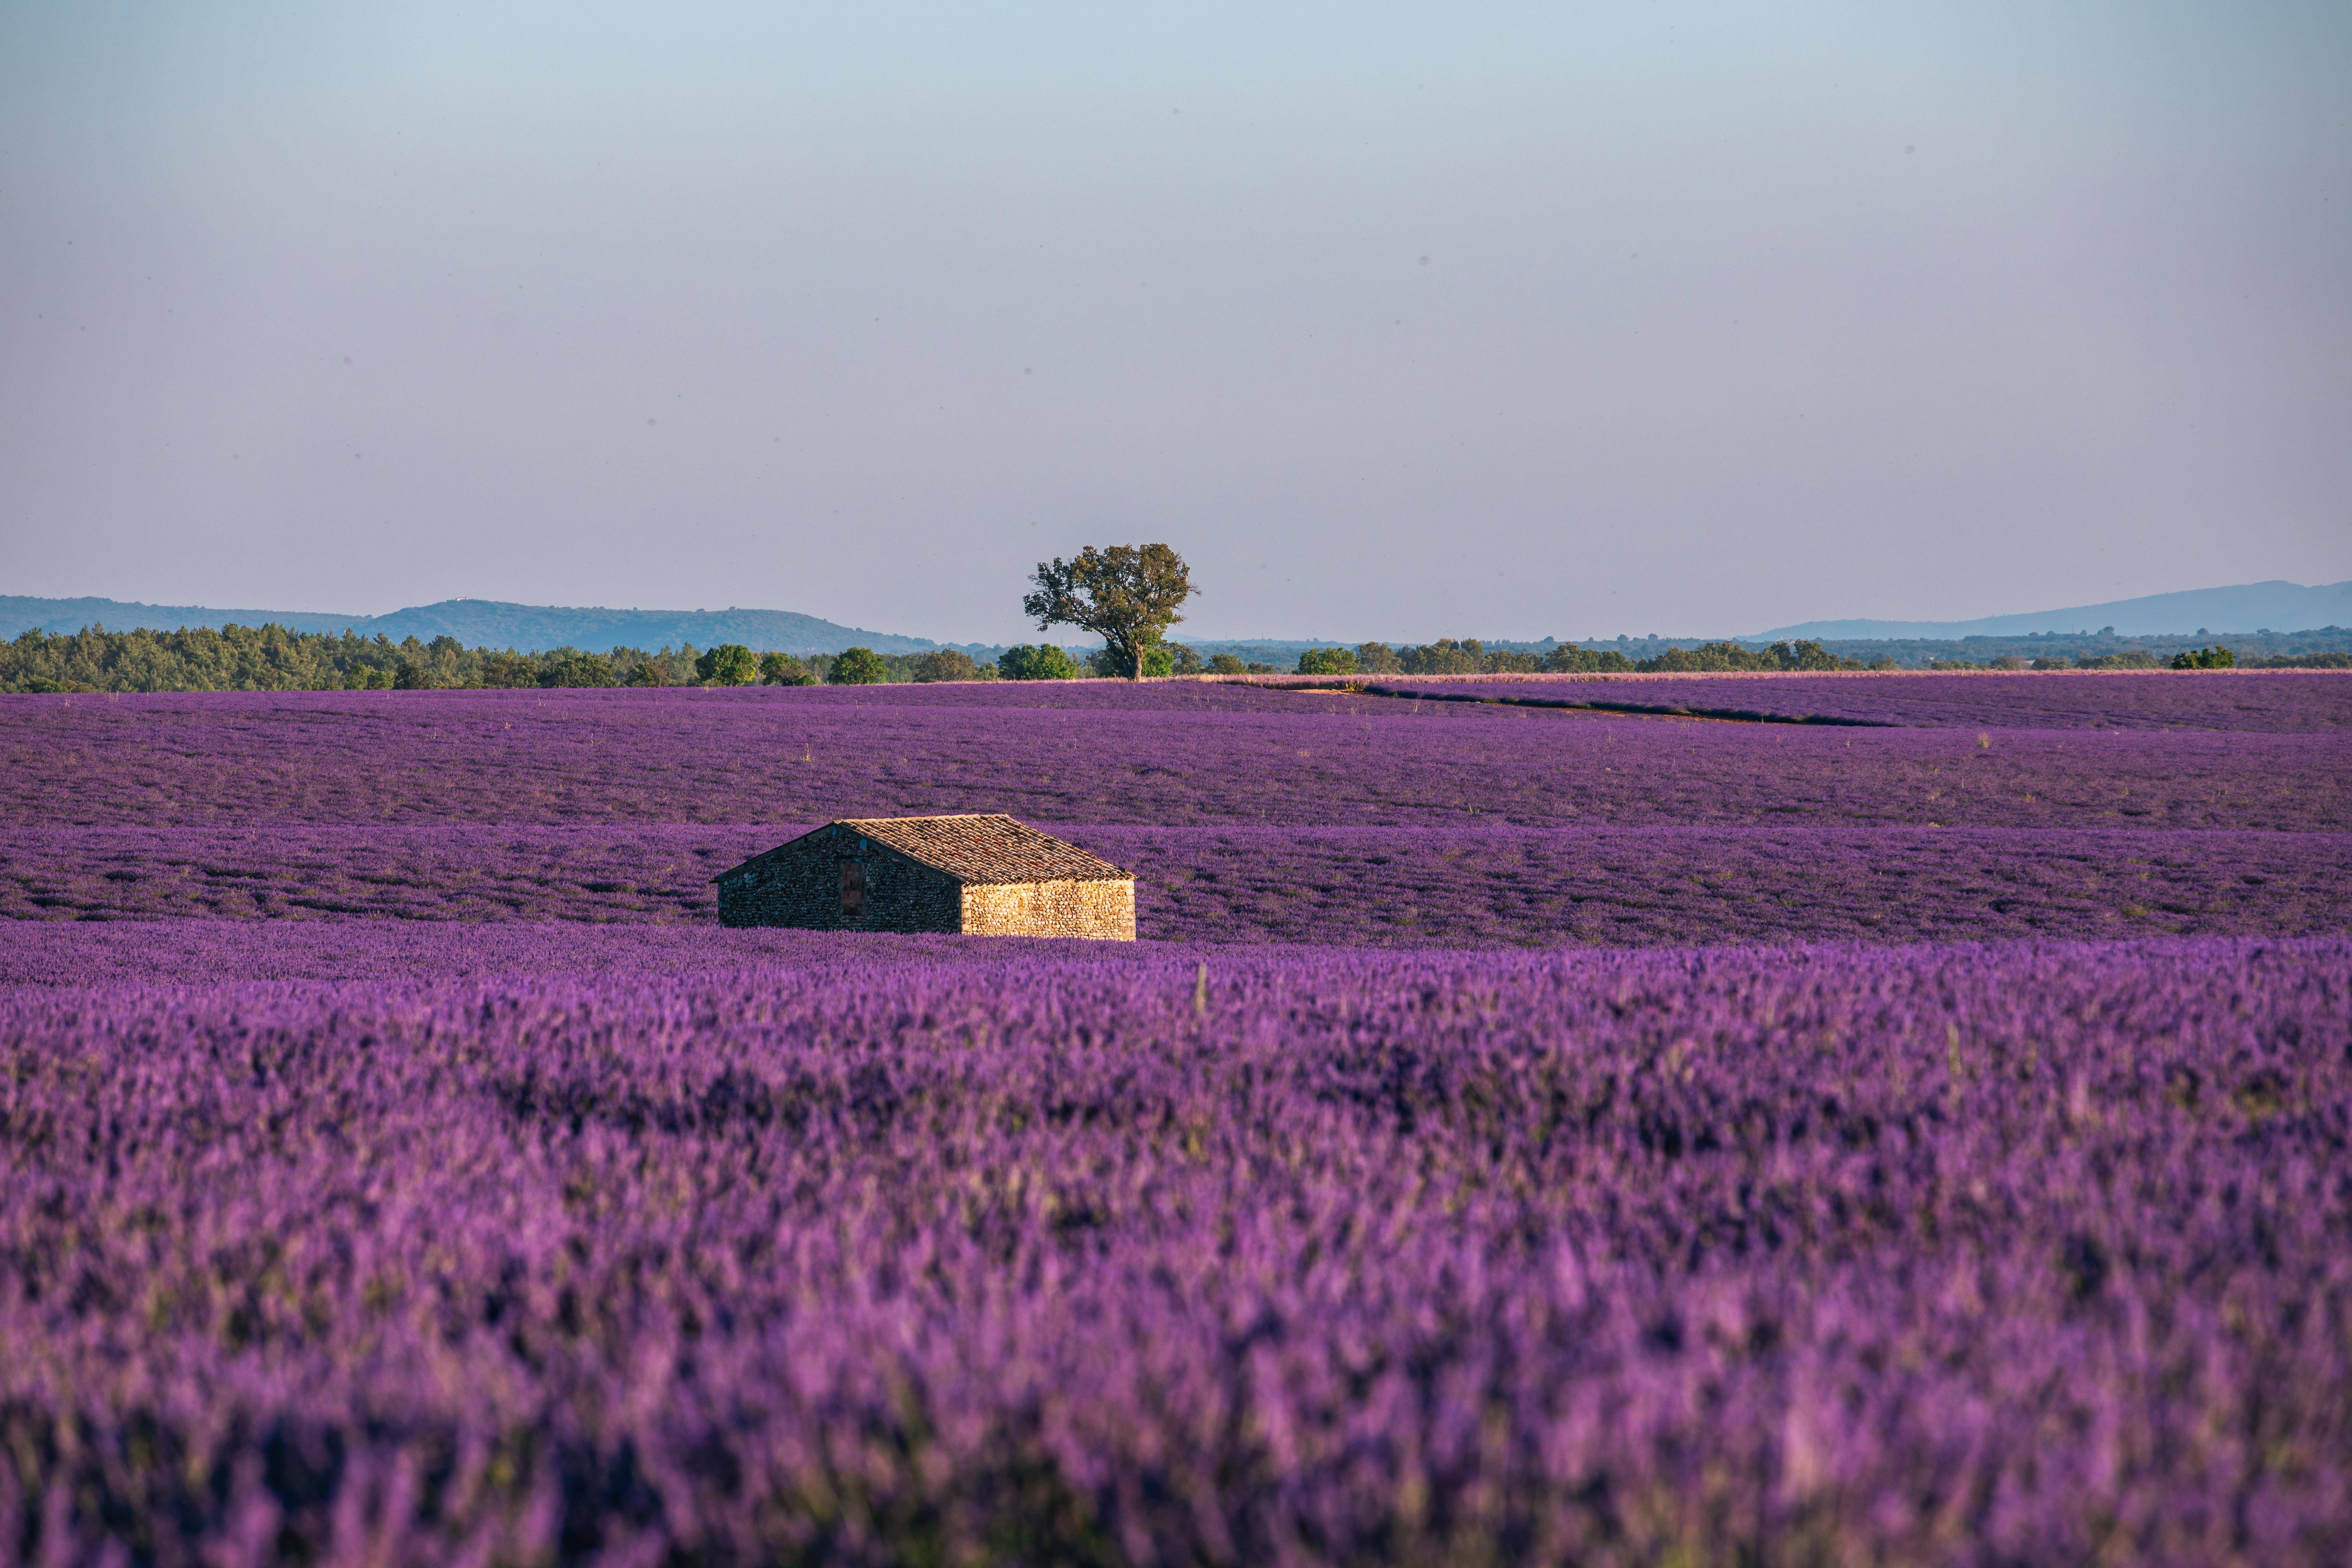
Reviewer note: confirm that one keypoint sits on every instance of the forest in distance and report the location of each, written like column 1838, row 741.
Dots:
column 273, row 659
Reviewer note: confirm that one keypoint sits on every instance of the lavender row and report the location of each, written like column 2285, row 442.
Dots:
column 1462, row 886
column 1235, row 756
column 1979, row 1256
column 2274, row 702
column 2241, row 700
column 78, row 953
column 1691, row 887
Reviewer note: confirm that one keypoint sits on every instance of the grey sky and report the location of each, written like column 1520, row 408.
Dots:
column 1395, row 320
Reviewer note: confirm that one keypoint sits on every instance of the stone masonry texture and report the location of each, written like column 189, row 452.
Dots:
column 1104, row 911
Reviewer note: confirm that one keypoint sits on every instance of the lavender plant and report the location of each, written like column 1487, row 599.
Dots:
column 1951, row 1255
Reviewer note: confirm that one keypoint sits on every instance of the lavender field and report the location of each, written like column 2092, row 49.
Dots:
column 2271, row 700
column 1958, row 1254
column 1524, row 1134
column 1460, row 886
column 1174, row 753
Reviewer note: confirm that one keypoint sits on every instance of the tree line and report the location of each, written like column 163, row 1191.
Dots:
column 1468, row 656
column 273, row 659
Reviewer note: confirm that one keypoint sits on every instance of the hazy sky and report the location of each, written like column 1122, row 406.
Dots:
column 1396, row 320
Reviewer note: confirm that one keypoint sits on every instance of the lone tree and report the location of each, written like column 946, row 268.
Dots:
column 1126, row 595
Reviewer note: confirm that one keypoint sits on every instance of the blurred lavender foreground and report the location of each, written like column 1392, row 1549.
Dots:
column 397, row 1167
column 1835, row 1255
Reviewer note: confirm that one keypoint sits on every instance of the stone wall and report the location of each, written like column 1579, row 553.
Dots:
column 800, row 886
column 1102, row 911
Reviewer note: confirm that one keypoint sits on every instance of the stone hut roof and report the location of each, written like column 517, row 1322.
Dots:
column 982, row 850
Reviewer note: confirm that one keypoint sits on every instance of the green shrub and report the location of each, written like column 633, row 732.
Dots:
column 2215, row 658
column 1326, row 661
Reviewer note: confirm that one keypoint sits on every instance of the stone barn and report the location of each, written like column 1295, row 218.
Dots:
column 983, row 875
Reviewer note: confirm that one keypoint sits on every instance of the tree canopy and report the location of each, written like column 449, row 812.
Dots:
column 1152, row 658
column 729, row 664
column 1126, row 595
column 857, row 667
column 945, row 664
column 571, row 667
column 1043, row 661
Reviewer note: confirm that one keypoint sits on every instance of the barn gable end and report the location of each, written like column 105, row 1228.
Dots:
column 799, row 884
column 1104, row 911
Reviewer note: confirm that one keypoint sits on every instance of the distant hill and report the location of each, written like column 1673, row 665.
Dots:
column 2279, row 607
column 480, row 623
column 2251, row 606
